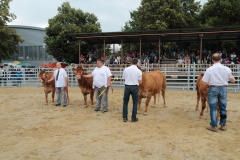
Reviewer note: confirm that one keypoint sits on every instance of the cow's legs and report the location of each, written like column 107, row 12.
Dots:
column 147, row 103
column 139, row 104
column 154, row 102
column 53, row 94
column 66, row 89
column 46, row 98
column 198, row 98
column 203, row 99
column 91, row 96
column 85, row 100
column 163, row 95
column 52, row 97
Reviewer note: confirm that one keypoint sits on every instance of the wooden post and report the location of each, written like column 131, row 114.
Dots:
column 201, row 36
column 79, row 52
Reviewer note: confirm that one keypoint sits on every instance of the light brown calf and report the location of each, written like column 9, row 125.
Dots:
column 152, row 83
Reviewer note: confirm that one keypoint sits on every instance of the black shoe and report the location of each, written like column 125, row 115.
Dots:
column 57, row 104
column 125, row 119
column 104, row 110
column 64, row 105
column 134, row 120
column 97, row 109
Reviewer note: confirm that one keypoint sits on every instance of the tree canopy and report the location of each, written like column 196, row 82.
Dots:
column 220, row 13
column 9, row 39
column 69, row 20
column 164, row 14
column 178, row 14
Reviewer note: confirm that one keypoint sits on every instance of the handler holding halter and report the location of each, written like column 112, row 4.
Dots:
column 101, row 81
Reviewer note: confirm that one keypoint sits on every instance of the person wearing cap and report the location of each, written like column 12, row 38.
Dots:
column 217, row 77
column 132, row 77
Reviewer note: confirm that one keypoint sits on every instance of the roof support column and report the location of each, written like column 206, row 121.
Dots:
column 201, row 36
column 79, row 52
column 121, row 47
column 140, row 49
column 104, row 48
column 113, row 48
column 159, row 49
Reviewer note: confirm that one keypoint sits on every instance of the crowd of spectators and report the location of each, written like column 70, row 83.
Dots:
column 181, row 56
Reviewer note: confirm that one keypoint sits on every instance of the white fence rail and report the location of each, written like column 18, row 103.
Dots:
column 178, row 77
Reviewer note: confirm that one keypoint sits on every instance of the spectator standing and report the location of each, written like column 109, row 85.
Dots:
column 217, row 77
column 233, row 57
column 133, row 77
column 18, row 77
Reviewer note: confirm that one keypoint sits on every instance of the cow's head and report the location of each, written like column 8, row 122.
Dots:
column 202, row 74
column 79, row 71
column 41, row 76
column 143, row 69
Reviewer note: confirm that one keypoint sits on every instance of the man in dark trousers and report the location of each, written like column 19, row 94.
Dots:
column 133, row 77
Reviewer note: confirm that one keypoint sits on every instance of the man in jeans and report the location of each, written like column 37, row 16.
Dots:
column 217, row 78
column 133, row 77
column 101, row 82
column 61, row 79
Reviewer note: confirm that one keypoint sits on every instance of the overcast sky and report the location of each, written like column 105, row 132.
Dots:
column 112, row 14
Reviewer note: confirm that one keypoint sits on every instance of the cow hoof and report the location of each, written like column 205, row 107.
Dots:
column 138, row 112
column 145, row 113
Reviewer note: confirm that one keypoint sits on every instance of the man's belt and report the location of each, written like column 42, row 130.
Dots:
column 218, row 86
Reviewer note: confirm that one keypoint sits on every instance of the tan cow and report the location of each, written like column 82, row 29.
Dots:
column 152, row 83
column 84, row 83
column 202, row 92
column 49, row 87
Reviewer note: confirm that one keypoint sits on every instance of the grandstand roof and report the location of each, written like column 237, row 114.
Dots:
column 173, row 35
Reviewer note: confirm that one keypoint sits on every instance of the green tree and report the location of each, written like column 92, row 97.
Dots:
column 220, row 13
column 9, row 39
column 163, row 14
column 191, row 11
column 69, row 20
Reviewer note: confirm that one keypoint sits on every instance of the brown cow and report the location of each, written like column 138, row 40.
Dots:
column 43, row 77
column 49, row 87
column 202, row 92
column 152, row 83
column 84, row 83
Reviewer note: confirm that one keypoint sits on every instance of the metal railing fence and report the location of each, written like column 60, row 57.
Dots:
column 178, row 76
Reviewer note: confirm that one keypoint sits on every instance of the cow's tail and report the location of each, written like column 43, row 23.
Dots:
column 164, row 85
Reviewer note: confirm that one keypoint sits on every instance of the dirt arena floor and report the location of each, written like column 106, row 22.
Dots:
column 31, row 130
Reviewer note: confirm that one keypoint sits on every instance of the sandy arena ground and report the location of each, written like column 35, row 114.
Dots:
column 30, row 130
